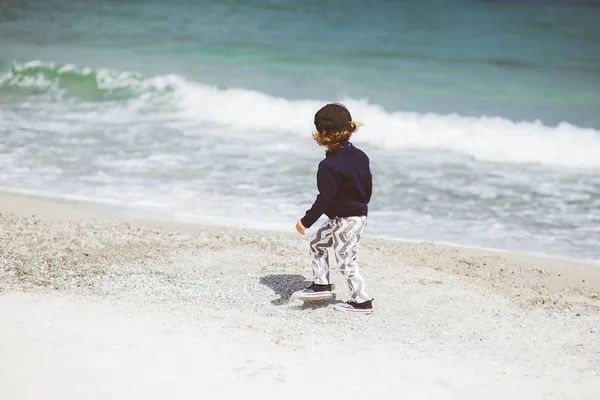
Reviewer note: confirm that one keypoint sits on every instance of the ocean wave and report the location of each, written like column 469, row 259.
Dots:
column 488, row 139
column 41, row 77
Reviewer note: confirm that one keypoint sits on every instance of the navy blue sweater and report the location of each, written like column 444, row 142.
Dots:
column 345, row 184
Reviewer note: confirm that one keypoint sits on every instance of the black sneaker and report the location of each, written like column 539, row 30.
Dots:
column 355, row 307
column 320, row 288
column 315, row 292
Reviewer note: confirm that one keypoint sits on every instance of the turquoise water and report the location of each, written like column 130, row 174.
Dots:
column 482, row 117
column 520, row 60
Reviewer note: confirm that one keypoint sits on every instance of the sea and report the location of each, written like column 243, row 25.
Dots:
column 482, row 117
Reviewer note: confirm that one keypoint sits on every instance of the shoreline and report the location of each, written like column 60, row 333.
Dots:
column 470, row 262
column 117, row 213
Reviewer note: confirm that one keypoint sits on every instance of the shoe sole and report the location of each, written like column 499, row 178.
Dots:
column 353, row 310
column 314, row 296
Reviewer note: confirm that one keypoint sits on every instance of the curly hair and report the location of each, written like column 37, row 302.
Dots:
column 334, row 140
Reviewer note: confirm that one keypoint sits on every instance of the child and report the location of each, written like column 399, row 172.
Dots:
column 344, row 184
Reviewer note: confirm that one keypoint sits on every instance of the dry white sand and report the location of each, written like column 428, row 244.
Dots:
column 93, row 306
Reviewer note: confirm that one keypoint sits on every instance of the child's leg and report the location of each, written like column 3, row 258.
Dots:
column 319, row 243
column 346, row 235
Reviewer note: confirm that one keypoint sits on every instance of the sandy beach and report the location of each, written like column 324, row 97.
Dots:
column 97, row 306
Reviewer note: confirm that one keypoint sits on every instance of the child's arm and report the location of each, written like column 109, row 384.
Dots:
column 327, row 183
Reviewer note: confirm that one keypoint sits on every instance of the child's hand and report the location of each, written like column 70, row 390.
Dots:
column 300, row 228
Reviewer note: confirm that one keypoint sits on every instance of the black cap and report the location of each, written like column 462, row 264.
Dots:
column 334, row 117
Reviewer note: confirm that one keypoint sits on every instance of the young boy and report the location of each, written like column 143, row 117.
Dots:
column 345, row 185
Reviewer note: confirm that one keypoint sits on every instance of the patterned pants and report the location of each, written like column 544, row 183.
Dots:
column 342, row 235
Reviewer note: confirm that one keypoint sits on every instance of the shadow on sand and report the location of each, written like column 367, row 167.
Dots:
column 285, row 285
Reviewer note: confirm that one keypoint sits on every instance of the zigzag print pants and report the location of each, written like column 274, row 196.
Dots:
column 342, row 235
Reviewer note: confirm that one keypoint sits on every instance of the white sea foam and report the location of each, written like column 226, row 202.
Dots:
column 488, row 139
